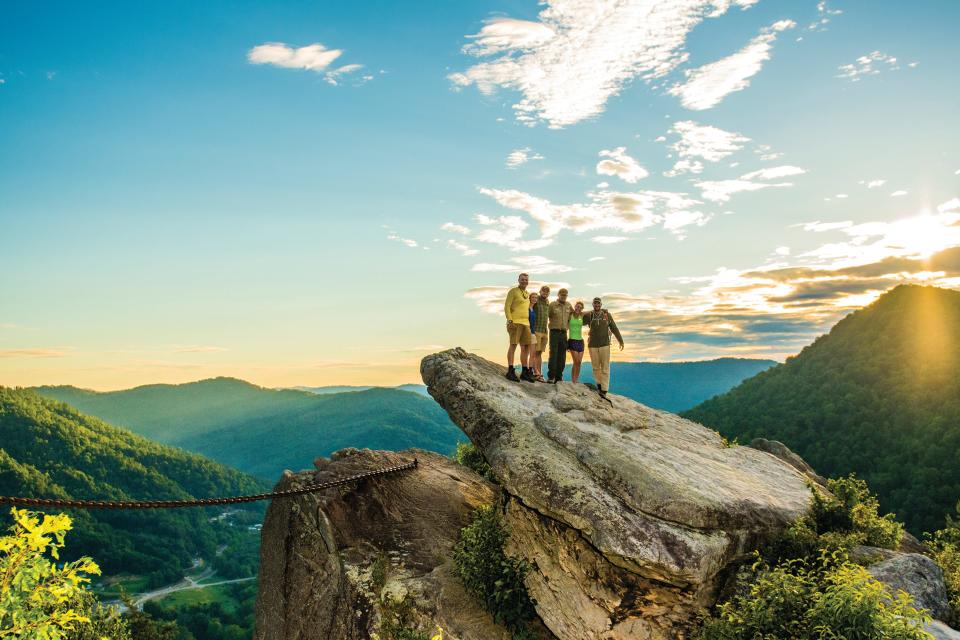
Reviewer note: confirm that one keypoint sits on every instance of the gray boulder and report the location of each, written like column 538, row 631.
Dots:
column 919, row 576
column 627, row 514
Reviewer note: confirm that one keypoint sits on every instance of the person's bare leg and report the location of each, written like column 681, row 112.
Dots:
column 524, row 355
column 577, row 359
column 511, row 351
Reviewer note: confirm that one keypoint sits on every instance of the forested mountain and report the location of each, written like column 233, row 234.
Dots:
column 879, row 396
column 676, row 386
column 416, row 388
column 50, row 450
column 264, row 431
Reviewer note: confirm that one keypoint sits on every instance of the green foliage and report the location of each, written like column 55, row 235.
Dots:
column 378, row 572
column 469, row 456
column 397, row 619
column 878, row 396
column 52, row 451
column 227, row 615
column 837, row 523
column 264, row 431
column 825, row 600
column 35, row 592
column 489, row 574
column 945, row 545
column 103, row 622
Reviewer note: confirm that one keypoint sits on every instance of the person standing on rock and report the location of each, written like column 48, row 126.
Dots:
column 575, row 340
column 560, row 311
column 601, row 326
column 517, row 308
column 540, row 336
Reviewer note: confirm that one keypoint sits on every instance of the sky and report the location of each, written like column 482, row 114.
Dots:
column 310, row 193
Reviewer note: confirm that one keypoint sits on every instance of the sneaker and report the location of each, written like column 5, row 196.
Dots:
column 512, row 374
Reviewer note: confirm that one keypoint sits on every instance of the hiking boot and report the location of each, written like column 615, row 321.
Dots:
column 527, row 376
column 512, row 375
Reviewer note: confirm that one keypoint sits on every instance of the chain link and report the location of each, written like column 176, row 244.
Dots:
column 202, row 502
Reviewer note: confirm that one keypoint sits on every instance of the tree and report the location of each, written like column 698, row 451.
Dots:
column 35, row 593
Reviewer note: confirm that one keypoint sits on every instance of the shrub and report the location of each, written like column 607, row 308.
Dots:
column 837, row 523
column 469, row 456
column 489, row 574
column 945, row 545
column 828, row 600
column 36, row 595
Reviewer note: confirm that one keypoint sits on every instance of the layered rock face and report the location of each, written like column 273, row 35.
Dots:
column 627, row 514
column 335, row 565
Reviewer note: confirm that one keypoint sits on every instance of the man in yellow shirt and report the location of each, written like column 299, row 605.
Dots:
column 517, row 310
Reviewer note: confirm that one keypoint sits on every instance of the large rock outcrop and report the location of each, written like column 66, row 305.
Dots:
column 335, row 564
column 628, row 515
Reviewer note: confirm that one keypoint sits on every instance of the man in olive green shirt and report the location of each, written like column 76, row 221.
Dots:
column 560, row 311
column 601, row 326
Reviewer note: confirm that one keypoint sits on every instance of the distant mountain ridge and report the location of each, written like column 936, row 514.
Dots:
column 878, row 395
column 415, row 388
column 50, row 450
column 677, row 386
column 264, row 431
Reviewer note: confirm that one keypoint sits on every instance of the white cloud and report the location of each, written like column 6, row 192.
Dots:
column 873, row 184
column 824, row 14
column 406, row 241
column 595, row 259
column 949, row 205
column 332, row 77
column 455, row 228
column 627, row 212
column 314, row 57
column 463, row 248
column 538, row 265
column 702, row 141
column 772, row 173
column 706, row 86
column 518, row 157
column 841, row 196
column 580, row 53
column 722, row 190
column 898, row 193
column 782, row 251
column 868, row 65
column 621, row 165
column 609, row 239
column 507, row 231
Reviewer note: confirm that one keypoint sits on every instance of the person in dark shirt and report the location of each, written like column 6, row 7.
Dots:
column 601, row 324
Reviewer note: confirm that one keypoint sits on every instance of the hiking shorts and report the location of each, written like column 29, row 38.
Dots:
column 540, row 341
column 519, row 333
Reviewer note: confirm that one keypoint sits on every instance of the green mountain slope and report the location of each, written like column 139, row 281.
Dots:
column 677, row 386
column 264, row 431
column 879, row 395
column 49, row 450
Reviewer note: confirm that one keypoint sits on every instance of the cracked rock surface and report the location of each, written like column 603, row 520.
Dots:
column 629, row 515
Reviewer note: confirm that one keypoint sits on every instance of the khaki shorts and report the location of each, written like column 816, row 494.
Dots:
column 519, row 333
column 540, row 340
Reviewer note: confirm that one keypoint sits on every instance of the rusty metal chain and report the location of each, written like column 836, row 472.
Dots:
column 202, row 502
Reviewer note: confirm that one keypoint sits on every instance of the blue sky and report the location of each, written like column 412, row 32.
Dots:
column 197, row 189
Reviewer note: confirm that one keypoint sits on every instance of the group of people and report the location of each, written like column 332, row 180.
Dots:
column 534, row 323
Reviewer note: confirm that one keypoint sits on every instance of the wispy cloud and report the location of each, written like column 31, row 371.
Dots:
column 452, row 227
column 722, row 190
column 609, row 239
column 705, row 142
column 462, row 247
column 197, row 349
column 619, row 164
column 534, row 264
column 898, row 193
column 873, row 184
column 518, row 157
column 409, row 242
column 824, row 15
column 580, row 53
column 314, row 57
column 47, row 352
column 708, row 85
column 606, row 210
column 868, row 65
